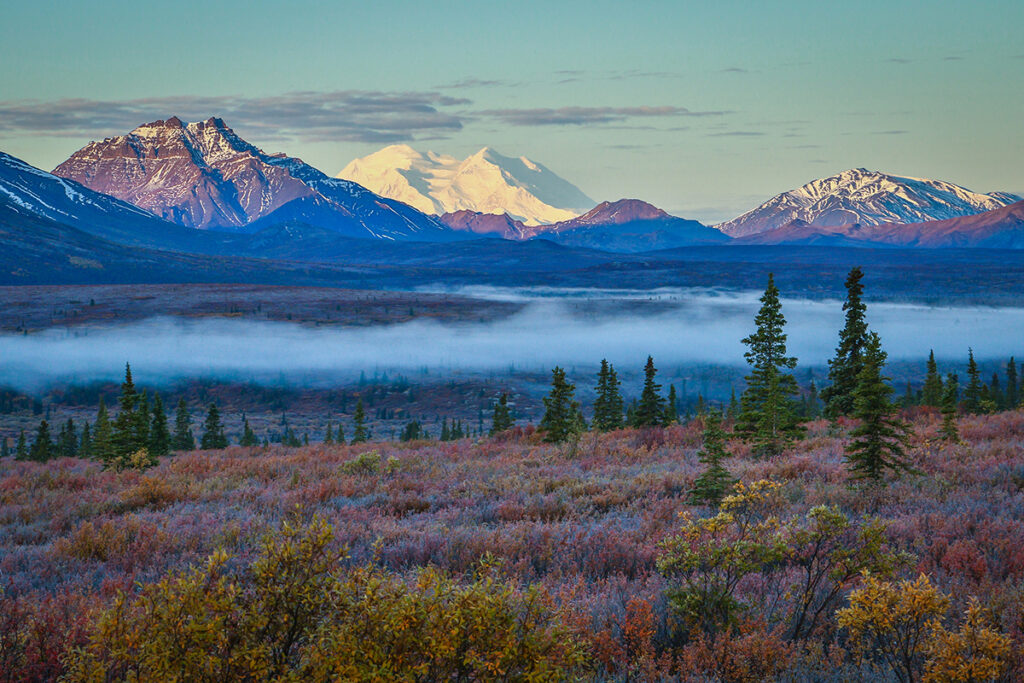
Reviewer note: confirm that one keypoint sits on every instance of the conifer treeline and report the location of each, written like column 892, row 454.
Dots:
column 768, row 414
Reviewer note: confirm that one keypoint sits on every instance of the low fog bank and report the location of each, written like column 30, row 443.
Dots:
column 696, row 328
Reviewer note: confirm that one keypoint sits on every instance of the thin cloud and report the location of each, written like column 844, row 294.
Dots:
column 890, row 132
column 899, row 60
column 736, row 134
column 350, row 115
column 476, row 83
column 582, row 116
column 734, row 70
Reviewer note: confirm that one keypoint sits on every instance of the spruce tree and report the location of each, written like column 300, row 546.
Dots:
column 183, row 440
column 21, row 450
column 159, row 435
column 562, row 417
column 973, row 392
column 672, row 406
column 734, row 405
column 5, row 448
column 932, row 393
column 141, row 424
column 608, row 404
column 339, row 436
column 712, row 485
column 879, row 440
column 85, row 443
column 949, row 396
column 996, row 399
column 103, row 437
column 813, row 402
column 846, row 365
column 248, row 435
column 502, row 419
column 125, row 427
column 1012, row 388
column 67, row 441
column 359, row 432
column 768, row 414
column 213, row 432
column 42, row 448
column 650, row 411
column 329, row 436
column 413, row 431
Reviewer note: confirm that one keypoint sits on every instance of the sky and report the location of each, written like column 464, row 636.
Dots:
column 704, row 109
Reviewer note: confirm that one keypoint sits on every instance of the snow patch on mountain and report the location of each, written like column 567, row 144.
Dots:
column 859, row 196
column 486, row 182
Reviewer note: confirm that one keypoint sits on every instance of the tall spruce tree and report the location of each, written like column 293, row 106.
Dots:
column 880, row 439
column 1012, row 388
column 672, row 406
column 67, row 441
column 650, row 411
column 213, row 431
column 21, row 450
column 359, row 431
column 973, row 392
column 103, row 437
column 932, row 393
column 768, row 412
column 42, row 448
column 715, row 481
column 159, row 434
column 183, row 439
column 608, row 405
column 125, row 426
column 85, row 442
column 996, row 397
column 846, row 365
column 949, row 398
column 5, row 448
column 502, row 418
column 562, row 417
column 141, row 424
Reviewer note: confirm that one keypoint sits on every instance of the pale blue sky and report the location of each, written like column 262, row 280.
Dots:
column 704, row 109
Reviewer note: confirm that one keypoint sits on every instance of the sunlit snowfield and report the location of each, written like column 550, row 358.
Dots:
column 554, row 327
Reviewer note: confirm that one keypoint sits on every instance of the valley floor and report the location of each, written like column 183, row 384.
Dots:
column 582, row 522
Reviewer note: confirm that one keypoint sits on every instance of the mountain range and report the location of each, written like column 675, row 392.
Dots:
column 199, row 189
column 862, row 197
column 486, row 182
column 202, row 175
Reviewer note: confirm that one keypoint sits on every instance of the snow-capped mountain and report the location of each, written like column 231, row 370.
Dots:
column 859, row 196
column 203, row 175
column 486, row 182
column 1001, row 228
column 28, row 191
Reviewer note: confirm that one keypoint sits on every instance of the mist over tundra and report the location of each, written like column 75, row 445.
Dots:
column 569, row 328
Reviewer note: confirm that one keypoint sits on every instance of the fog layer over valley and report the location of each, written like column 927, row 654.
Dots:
column 677, row 327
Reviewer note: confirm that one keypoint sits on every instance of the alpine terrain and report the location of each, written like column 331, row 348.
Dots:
column 486, row 182
column 859, row 196
column 203, row 175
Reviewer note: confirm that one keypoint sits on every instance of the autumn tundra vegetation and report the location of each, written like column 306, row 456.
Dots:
column 775, row 537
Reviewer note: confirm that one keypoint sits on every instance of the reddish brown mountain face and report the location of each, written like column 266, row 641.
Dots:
column 485, row 224
column 200, row 175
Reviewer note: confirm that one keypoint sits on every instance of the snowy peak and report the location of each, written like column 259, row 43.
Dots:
column 485, row 182
column 200, row 175
column 860, row 196
column 203, row 175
